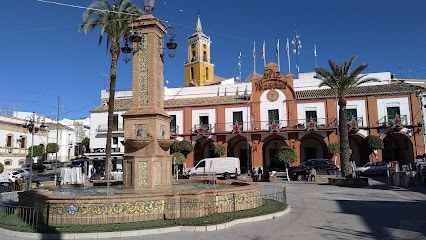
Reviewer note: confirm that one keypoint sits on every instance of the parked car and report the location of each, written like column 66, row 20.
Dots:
column 373, row 168
column 322, row 166
column 36, row 167
column 24, row 172
column 50, row 164
column 14, row 176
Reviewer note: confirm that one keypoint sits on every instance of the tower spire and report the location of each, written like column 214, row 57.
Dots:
column 198, row 27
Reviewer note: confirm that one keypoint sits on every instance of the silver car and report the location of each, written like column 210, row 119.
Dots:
column 373, row 168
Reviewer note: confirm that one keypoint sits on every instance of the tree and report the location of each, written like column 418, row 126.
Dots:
column 374, row 143
column 183, row 147
column 333, row 149
column 342, row 80
column 219, row 150
column 37, row 152
column 286, row 155
column 86, row 143
column 113, row 21
column 180, row 160
column 1, row 168
column 52, row 148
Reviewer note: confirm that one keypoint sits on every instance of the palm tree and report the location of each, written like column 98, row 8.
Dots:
column 342, row 80
column 113, row 21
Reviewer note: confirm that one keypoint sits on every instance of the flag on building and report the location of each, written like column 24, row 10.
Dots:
column 277, row 54
column 254, row 57
column 287, row 48
column 315, row 50
column 277, row 51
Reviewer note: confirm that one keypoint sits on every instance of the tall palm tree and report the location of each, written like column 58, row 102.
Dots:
column 113, row 21
column 342, row 80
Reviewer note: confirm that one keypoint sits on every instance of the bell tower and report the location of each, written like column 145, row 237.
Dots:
column 198, row 69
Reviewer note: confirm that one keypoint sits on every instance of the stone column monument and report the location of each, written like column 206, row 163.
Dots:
column 147, row 164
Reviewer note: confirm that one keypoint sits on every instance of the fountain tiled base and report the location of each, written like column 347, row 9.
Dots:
column 149, row 205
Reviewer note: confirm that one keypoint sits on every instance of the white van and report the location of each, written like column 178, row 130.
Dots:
column 227, row 167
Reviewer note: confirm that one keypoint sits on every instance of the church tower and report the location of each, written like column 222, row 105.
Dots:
column 198, row 69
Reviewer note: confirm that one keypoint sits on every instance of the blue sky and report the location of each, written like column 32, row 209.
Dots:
column 45, row 59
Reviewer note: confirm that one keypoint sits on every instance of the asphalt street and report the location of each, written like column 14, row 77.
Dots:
column 317, row 211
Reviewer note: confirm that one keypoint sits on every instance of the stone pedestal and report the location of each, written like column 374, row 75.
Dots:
column 147, row 162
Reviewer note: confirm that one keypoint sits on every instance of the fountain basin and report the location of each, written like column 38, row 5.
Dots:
column 129, row 206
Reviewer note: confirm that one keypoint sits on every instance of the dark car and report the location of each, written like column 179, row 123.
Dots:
column 36, row 167
column 322, row 166
column 51, row 164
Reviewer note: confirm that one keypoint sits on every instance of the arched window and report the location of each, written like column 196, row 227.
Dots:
column 21, row 162
column 8, row 162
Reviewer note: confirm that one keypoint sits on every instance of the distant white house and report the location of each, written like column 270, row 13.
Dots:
column 15, row 139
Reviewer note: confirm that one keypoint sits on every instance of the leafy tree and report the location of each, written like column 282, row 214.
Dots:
column 341, row 79
column 180, row 160
column 183, row 147
column 374, row 143
column 86, row 143
column 333, row 149
column 286, row 155
column 1, row 168
column 219, row 150
column 52, row 148
column 113, row 21
column 37, row 152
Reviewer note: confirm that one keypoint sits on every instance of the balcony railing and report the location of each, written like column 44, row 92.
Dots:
column 393, row 121
column 202, row 129
column 104, row 129
column 276, row 126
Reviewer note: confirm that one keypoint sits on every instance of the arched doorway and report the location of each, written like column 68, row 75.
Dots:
column 239, row 147
column 360, row 152
column 398, row 147
column 203, row 148
column 312, row 147
column 270, row 147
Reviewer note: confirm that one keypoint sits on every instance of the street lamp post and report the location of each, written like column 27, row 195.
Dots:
column 32, row 128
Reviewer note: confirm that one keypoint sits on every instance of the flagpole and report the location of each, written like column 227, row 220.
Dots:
column 315, row 54
column 239, row 66
column 254, row 57
column 287, row 48
column 264, row 54
column 278, row 54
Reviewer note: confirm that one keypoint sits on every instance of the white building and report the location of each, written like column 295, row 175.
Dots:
column 15, row 139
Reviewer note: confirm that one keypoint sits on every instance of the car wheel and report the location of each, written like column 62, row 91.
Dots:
column 300, row 177
column 227, row 176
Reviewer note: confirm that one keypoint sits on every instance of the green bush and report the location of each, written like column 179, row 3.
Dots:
column 219, row 150
column 374, row 142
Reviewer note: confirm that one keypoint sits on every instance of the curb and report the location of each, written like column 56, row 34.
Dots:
column 101, row 235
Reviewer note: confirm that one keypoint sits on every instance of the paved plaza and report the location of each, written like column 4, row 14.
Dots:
column 317, row 211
